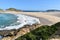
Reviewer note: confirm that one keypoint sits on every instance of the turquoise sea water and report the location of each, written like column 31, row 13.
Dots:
column 7, row 19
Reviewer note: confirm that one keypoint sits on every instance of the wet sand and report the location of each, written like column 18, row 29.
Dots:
column 53, row 13
column 45, row 21
column 58, row 15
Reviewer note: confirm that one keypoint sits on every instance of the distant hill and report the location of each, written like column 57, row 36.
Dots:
column 52, row 10
column 41, row 11
column 13, row 9
column 31, row 11
column 1, row 10
column 19, row 10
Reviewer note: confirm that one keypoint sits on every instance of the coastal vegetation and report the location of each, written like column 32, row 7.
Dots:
column 43, row 32
column 13, row 9
column 1, row 9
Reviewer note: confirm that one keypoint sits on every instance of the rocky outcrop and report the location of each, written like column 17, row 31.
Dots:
column 13, row 34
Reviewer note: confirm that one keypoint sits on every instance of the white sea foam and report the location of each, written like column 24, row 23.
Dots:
column 23, row 20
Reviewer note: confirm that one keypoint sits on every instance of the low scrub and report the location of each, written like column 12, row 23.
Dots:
column 43, row 32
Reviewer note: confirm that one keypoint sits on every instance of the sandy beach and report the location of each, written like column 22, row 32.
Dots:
column 45, row 18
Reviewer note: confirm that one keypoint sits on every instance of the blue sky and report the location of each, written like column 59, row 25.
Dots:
column 30, row 4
